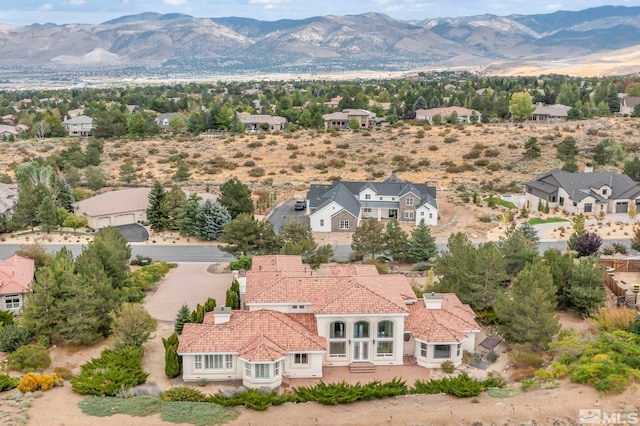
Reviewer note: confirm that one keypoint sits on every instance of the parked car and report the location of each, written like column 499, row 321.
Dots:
column 300, row 205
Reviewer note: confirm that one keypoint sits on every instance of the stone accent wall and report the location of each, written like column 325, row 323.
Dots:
column 343, row 215
column 403, row 207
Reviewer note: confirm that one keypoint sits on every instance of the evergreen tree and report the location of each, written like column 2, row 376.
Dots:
column 561, row 267
column 47, row 215
column 186, row 215
column 95, row 148
column 526, row 311
column 64, row 196
column 567, row 149
column 519, row 247
column 420, row 103
column 171, row 362
column 181, row 318
column 156, row 214
column 368, row 238
column 241, row 235
column 586, row 292
column 396, row 244
column 94, row 177
column 422, row 246
column 296, row 238
column 182, row 172
column 174, row 199
column 128, row 172
column 211, row 220
column 113, row 252
column 236, row 197
column 532, row 150
column 474, row 273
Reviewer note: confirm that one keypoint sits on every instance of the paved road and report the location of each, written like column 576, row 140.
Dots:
column 281, row 215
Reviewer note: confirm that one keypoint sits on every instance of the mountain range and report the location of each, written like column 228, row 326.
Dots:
column 371, row 41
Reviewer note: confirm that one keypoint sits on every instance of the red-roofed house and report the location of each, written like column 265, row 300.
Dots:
column 16, row 274
column 296, row 321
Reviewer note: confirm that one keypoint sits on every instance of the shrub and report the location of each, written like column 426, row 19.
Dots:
column 243, row 262
column 183, row 393
column 344, row 393
column 6, row 317
column 7, row 382
column 448, row 367
column 114, row 371
column 256, row 172
column 147, row 389
column 523, row 356
column 32, row 382
column 461, row 386
column 29, row 358
column 12, row 336
column 611, row 319
column 63, row 372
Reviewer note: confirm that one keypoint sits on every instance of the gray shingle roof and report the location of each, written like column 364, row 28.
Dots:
column 579, row 185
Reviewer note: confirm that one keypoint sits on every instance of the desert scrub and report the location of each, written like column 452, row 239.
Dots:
column 32, row 382
column 183, row 393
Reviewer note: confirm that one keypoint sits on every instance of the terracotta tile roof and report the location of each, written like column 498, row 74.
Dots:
column 350, row 270
column 447, row 324
column 278, row 263
column 16, row 274
column 262, row 349
column 254, row 334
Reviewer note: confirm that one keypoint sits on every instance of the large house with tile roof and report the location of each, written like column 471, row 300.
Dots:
column 340, row 120
column 463, row 115
column 296, row 321
column 16, row 275
column 342, row 205
column 587, row 193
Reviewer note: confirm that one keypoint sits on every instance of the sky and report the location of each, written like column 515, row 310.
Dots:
column 25, row 12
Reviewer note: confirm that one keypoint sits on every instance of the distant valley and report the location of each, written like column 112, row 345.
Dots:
column 182, row 46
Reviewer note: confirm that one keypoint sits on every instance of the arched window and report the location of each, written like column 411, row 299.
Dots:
column 361, row 330
column 384, row 339
column 337, row 340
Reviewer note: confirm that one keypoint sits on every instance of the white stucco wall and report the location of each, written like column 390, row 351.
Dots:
column 312, row 369
column 189, row 373
column 427, row 210
column 430, row 361
column 325, row 214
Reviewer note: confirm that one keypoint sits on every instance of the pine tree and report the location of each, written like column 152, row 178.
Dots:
column 174, row 199
column 156, row 214
column 182, row 172
column 586, row 292
column 396, row 242
column 422, row 246
column 47, row 215
column 236, row 197
column 368, row 238
column 128, row 172
column 532, row 150
column 171, row 362
column 186, row 216
column 526, row 311
column 183, row 317
column 211, row 220
column 64, row 197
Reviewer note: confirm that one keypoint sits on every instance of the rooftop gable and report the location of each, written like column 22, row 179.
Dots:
column 16, row 274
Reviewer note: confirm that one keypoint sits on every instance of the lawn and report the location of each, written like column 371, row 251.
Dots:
column 503, row 203
column 539, row 221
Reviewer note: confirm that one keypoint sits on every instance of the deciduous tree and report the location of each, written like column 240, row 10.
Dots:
column 131, row 325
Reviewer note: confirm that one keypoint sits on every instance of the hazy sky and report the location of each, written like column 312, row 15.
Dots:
column 23, row 12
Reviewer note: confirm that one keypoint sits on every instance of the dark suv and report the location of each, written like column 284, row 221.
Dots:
column 300, row 205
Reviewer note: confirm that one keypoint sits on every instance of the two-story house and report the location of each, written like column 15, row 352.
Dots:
column 588, row 193
column 79, row 126
column 297, row 321
column 16, row 274
column 342, row 205
column 257, row 122
column 163, row 120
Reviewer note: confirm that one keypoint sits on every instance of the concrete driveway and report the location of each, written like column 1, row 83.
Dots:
column 189, row 283
column 134, row 233
column 283, row 214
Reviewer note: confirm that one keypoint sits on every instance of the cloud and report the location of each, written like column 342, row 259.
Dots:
column 45, row 7
column 174, row 2
column 555, row 6
column 270, row 4
column 76, row 2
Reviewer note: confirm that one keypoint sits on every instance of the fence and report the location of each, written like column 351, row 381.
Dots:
column 619, row 288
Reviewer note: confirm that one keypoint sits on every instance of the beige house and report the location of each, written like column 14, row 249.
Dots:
column 78, row 126
column 587, row 193
column 115, row 208
column 254, row 123
column 340, row 120
column 16, row 274
column 550, row 113
column 465, row 115
column 628, row 104
column 296, row 322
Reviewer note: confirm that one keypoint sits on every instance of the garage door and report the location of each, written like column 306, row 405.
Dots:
column 124, row 219
column 622, row 207
column 103, row 222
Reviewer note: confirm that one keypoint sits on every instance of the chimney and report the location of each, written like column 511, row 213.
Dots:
column 221, row 315
column 588, row 168
column 432, row 300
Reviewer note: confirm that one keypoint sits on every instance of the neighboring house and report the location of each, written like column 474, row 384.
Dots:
column 10, row 120
column 587, row 193
column 341, row 205
column 133, row 108
column 465, row 115
column 8, row 197
column 255, row 122
column 16, row 274
column 297, row 321
column 115, row 208
column 365, row 119
column 163, row 120
column 628, row 104
column 550, row 113
column 73, row 113
column 78, row 126
column 333, row 103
